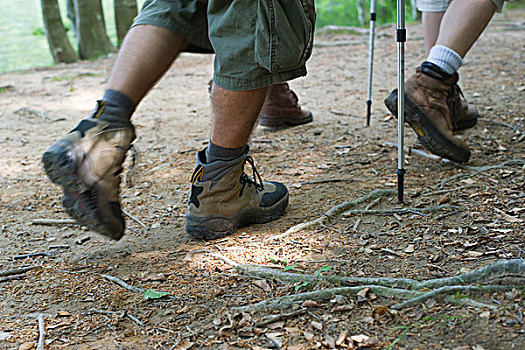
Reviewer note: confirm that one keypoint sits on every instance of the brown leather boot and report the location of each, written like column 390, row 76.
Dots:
column 282, row 108
column 87, row 163
column 464, row 115
column 428, row 113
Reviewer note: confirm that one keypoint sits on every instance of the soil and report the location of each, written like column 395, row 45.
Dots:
column 84, row 310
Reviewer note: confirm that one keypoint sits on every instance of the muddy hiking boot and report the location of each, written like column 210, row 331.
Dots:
column 282, row 108
column 217, row 208
column 428, row 113
column 87, row 163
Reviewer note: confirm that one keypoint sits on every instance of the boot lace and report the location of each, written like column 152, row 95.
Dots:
column 246, row 180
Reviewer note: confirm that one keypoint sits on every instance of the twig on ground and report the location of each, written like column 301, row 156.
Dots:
column 325, row 181
column 143, row 225
column 225, row 260
column 53, row 222
column 496, row 122
column 445, row 191
column 41, row 332
column 333, row 212
column 123, row 284
column 12, row 278
column 120, row 314
column 274, row 318
column 30, row 255
column 358, row 221
column 401, row 210
column 16, row 271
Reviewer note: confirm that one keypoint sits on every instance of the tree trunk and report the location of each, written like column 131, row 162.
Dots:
column 70, row 10
column 93, row 41
column 59, row 44
column 125, row 11
column 360, row 11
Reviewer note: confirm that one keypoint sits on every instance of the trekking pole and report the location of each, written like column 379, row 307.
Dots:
column 370, row 59
column 400, row 38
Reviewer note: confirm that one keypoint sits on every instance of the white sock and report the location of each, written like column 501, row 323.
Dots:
column 445, row 58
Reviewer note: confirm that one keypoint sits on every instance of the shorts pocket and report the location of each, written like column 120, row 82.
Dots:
column 284, row 33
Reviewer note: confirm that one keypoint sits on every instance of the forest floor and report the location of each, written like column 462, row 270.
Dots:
column 456, row 218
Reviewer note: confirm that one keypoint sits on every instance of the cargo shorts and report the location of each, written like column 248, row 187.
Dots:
column 256, row 42
column 441, row 5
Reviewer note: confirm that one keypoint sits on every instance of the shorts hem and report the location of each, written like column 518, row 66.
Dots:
column 237, row 84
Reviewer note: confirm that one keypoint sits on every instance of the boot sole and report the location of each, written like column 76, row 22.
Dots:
column 284, row 121
column 427, row 133
column 79, row 200
column 214, row 227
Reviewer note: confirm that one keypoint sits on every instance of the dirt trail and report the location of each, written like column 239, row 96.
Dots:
column 83, row 310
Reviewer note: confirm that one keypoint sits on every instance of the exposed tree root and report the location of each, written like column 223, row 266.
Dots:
column 400, row 210
column 338, row 209
column 498, row 276
column 327, row 294
column 481, row 169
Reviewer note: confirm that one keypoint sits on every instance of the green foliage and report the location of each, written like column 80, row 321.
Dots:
column 38, row 32
column 318, row 272
column 290, row 267
column 299, row 286
column 152, row 294
column 344, row 12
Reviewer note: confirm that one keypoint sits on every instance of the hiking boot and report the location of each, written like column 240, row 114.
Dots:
column 464, row 115
column 217, row 208
column 87, row 163
column 427, row 111
column 282, row 108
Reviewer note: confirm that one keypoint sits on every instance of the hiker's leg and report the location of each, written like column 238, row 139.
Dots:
column 463, row 23
column 146, row 54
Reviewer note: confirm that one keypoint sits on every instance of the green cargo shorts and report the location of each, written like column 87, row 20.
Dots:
column 256, row 42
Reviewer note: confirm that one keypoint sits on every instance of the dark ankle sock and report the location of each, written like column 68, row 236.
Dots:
column 214, row 153
column 115, row 107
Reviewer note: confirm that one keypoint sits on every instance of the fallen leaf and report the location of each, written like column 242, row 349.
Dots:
column 361, row 295
column 474, row 254
column 317, row 325
column 185, row 345
column 263, row 285
column 341, row 338
column 154, row 277
column 444, row 199
column 27, row 346
column 309, row 303
column 63, row 313
column 360, row 338
column 379, row 311
column 152, row 294
column 410, row 248
column 329, row 342
column 308, row 336
column 485, row 315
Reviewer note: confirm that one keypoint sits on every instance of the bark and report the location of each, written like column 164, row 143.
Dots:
column 93, row 41
column 59, row 44
column 125, row 11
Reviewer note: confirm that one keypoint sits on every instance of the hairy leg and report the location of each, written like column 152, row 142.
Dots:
column 146, row 54
column 234, row 115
